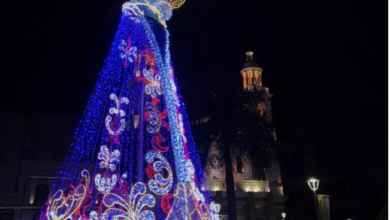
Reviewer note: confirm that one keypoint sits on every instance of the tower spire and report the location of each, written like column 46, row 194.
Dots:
column 249, row 54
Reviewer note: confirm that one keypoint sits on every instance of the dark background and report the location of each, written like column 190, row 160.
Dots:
column 324, row 61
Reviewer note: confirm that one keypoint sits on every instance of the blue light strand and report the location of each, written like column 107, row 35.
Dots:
column 191, row 146
column 164, row 68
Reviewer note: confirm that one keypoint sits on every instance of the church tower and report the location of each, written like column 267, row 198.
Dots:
column 258, row 197
column 257, row 97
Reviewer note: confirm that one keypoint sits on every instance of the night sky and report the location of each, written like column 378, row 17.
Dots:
column 324, row 61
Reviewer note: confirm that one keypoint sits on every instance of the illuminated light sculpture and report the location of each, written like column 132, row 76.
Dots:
column 134, row 135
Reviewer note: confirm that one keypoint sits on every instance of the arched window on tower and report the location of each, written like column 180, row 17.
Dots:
column 239, row 164
column 254, row 82
column 41, row 194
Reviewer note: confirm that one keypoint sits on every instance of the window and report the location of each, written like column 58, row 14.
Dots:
column 41, row 194
column 239, row 165
column 239, row 168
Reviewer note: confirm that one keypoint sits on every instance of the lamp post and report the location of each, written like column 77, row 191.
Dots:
column 313, row 184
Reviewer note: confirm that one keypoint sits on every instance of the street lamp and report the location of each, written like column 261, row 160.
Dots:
column 283, row 215
column 313, row 184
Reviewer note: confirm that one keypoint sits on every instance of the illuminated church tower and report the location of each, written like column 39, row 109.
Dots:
column 257, row 196
column 258, row 98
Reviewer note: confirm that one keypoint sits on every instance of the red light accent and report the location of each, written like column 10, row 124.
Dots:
column 149, row 58
column 147, row 116
column 143, row 80
column 166, row 203
column 156, row 143
column 155, row 101
column 87, row 202
column 114, row 138
column 150, row 171
column 44, row 211
column 165, row 125
column 163, row 115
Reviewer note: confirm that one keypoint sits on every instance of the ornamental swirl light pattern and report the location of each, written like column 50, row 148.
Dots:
column 105, row 185
column 64, row 206
column 152, row 88
column 159, row 185
column 134, row 209
column 119, row 113
column 108, row 160
column 154, row 118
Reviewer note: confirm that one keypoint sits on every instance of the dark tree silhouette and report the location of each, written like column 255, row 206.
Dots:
column 240, row 135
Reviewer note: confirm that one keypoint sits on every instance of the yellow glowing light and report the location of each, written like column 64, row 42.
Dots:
column 64, row 207
column 31, row 199
column 133, row 7
column 136, row 121
column 176, row 3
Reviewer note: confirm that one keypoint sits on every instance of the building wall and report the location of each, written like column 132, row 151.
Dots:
column 26, row 141
column 23, row 204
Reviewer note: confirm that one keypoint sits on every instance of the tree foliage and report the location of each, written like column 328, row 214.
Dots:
column 240, row 134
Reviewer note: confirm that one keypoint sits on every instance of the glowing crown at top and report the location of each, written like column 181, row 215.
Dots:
column 175, row 3
column 161, row 8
